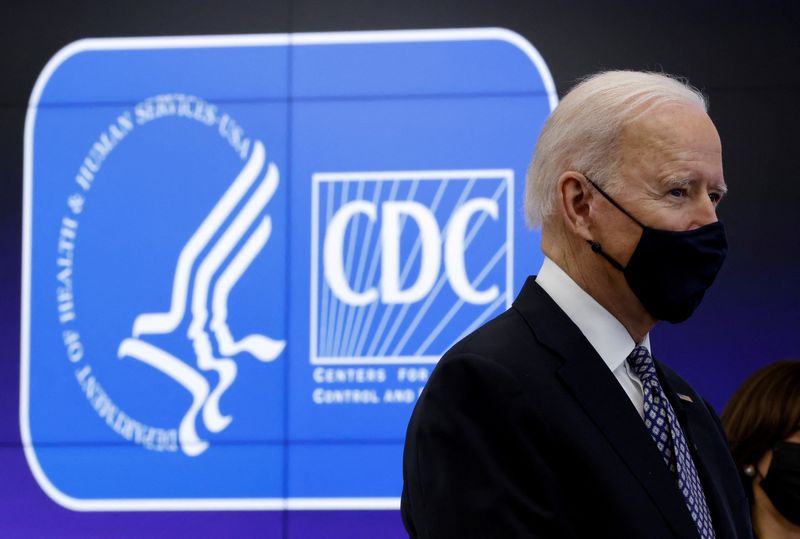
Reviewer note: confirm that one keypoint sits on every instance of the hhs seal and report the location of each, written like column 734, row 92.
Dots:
column 242, row 257
column 211, row 263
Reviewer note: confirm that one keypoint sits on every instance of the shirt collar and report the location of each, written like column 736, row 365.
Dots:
column 605, row 333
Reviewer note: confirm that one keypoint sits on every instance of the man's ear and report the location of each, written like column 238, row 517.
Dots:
column 574, row 202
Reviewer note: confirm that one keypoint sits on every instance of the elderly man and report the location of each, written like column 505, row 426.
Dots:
column 554, row 420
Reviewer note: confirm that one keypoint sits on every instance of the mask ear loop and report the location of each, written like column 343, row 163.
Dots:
column 614, row 202
column 596, row 247
column 599, row 250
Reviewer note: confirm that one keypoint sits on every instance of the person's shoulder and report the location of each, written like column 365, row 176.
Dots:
column 504, row 344
column 501, row 335
column 488, row 345
column 480, row 370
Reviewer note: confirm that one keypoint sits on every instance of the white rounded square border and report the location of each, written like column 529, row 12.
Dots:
column 138, row 43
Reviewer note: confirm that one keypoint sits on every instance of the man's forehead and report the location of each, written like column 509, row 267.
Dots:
column 669, row 125
column 674, row 140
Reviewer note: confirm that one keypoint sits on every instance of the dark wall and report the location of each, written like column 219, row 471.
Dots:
column 743, row 55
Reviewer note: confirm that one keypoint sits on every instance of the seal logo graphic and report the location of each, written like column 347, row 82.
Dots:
column 242, row 257
column 211, row 263
column 260, row 346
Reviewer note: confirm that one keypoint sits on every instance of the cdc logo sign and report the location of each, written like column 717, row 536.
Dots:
column 243, row 255
column 390, row 280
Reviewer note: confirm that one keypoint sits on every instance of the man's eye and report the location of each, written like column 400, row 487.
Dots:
column 715, row 197
column 677, row 192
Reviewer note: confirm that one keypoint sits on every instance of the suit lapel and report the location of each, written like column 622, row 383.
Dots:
column 694, row 419
column 593, row 385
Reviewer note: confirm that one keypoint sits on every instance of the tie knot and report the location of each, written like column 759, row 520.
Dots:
column 641, row 362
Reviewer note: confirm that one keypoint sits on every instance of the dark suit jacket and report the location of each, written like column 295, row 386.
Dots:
column 523, row 431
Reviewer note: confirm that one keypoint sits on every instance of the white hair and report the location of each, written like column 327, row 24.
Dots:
column 581, row 133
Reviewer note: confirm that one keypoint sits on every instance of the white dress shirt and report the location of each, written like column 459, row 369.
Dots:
column 605, row 333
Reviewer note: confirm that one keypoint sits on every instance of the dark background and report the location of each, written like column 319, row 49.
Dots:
column 744, row 56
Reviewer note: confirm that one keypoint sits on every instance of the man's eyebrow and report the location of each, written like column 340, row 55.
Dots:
column 720, row 188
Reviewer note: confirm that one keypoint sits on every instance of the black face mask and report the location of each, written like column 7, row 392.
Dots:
column 670, row 271
column 782, row 483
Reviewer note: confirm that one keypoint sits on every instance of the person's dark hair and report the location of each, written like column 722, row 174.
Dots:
column 764, row 411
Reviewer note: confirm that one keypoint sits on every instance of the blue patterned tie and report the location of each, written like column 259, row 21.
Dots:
column 661, row 421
